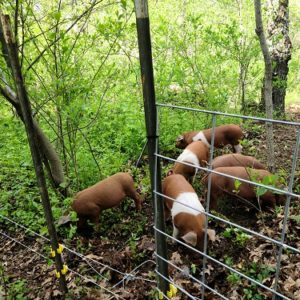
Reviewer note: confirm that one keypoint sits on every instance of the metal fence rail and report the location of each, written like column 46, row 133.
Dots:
column 269, row 187
column 218, row 113
column 221, row 264
column 280, row 244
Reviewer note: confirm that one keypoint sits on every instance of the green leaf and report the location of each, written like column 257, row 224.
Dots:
column 57, row 15
column 260, row 191
column 43, row 230
column 228, row 233
column 124, row 4
column 237, row 184
column 296, row 218
column 193, row 268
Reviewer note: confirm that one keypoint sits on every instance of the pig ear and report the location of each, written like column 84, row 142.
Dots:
column 171, row 172
column 201, row 200
column 179, row 138
column 190, row 238
column 211, row 234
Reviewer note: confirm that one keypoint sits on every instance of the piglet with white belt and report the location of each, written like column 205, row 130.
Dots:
column 187, row 211
column 195, row 154
column 229, row 134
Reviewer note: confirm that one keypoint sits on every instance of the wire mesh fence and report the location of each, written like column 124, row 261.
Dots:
column 281, row 244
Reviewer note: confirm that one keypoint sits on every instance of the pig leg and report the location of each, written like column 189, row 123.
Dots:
column 268, row 200
column 213, row 201
column 82, row 222
column 136, row 197
column 175, row 234
column 94, row 218
column 194, row 177
column 167, row 212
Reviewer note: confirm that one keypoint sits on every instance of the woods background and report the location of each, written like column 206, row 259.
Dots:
column 81, row 70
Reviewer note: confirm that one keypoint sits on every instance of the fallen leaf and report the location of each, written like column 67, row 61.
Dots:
column 289, row 283
column 93, row 256
column 56, row 293
column 64, row 220
column 147, row 244
column 209, row 268
column 235, row 295
column 176, row 258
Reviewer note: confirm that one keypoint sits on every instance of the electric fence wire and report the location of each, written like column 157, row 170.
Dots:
column 176, row 285
column 192, row 277
column 129, row 275
column 85, row 258
column 72, row 271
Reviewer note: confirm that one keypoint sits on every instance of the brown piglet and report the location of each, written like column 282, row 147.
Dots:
column 187, row 211
column 221, row 185
column 229, row 134
column 236, row 160
column 195, row 154
column 105, row 194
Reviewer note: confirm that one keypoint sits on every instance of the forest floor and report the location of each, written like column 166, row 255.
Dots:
column 127, row 242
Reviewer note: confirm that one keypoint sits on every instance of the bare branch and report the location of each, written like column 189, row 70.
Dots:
column 58, row 38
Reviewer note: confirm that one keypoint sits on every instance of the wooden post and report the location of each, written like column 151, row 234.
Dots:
column 145, row 52
column 31, row 134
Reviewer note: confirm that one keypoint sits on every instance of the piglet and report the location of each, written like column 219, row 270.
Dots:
column 235, row 160
column 229, row 134
column 196, row 154
column 221, row 186
column 105, row 194
column 188, row 221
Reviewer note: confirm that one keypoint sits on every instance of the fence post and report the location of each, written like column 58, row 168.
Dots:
column 37, row 162
column 145, row 53
column 211, row 157
column 286, row 211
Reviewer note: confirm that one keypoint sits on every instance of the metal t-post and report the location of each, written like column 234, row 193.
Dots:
column 145, row 52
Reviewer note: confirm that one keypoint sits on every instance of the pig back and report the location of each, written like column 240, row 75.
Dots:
column 200, row 150
column 224, row 134
column 108, row 192
column 246, row 190
column 186, row 171
column 174, row 185
column 235, row 160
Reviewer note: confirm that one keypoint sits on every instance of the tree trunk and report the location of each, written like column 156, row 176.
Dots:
column 47, row 151
column 267, row 88
column 278, row 36
column 280, row 72
column 32, row 139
